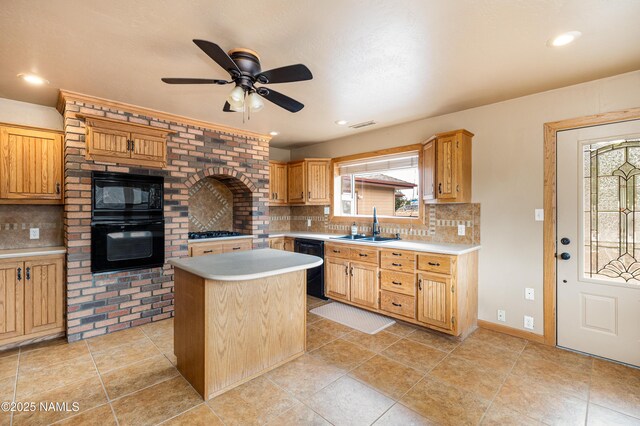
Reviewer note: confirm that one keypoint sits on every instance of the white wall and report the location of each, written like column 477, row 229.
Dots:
column 15, row 112
column 507, row 179
column 278, row 154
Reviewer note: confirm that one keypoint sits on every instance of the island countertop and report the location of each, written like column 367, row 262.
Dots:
column 246, row 265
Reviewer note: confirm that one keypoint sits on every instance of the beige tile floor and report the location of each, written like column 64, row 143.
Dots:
column 400, row 376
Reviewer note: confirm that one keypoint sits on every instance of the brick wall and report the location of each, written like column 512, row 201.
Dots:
column 102, row 303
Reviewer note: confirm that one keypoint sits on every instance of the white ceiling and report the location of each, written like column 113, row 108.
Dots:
column 385, row 60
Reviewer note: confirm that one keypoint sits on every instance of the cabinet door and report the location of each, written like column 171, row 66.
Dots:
column 43, row 284
column 107, row 143
column 446, row 169
column 149, row 148
column 280, row 188
column 289, row 244
column 337, row 278
column 276, row 243
column 428, row 171
column 364, row 284
column 296, row 183
column 318, row 181
column 30, row 165
column 435, row 300
column 11, row 299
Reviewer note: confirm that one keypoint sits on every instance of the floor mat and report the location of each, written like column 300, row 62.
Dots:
column 361, row 320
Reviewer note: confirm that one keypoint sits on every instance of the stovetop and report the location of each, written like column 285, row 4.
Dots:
column 212, row 234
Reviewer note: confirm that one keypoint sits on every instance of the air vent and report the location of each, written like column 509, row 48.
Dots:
column 363, row 124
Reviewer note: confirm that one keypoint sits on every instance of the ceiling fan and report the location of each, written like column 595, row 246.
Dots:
column 243, row 65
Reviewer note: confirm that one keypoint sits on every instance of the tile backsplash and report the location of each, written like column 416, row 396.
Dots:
column 210, row 206
column 440, row 223
column 15, row 221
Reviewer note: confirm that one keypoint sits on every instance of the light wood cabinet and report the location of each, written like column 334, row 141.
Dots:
column 276, row 243
column 278, row 182
column 436, row 291
column 317, row 179
column 364, row 284
column 125, row 143
column 32, row 297
column 218, row 247
column 307, row 182
column 296, row 183
column 30, row 166
column 337, row 278
column 435, row 299
column 446, row 168
column 289, row 244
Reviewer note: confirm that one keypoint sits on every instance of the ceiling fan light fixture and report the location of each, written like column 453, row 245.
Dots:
column 236, row 95
column 255, row 102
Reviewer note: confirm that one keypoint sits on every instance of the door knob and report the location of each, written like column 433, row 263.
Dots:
column 565, row 256
column 565, row 241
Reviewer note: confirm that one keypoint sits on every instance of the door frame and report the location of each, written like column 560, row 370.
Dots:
column 550, row 180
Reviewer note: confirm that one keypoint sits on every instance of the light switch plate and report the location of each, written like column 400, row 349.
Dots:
column 327, row 210
column 539, row 215
column 529, row 294
column 502, row 315
column 34, row 233
column 461, row 230
column 308, row 223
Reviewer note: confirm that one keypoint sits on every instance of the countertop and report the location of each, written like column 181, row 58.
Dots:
column 206, row 240
column 246, row 265
column 414, row 245
column 28, row 252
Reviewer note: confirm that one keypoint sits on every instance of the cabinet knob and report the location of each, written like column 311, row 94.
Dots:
column 396, row 283
column 397, row 264
column 420, row 284
column 434, row 264
column 19, row 274
column 28, row 274
column 346, row 270
column 58, row 188
column 363, row 255
column 208, row 251
column 396, row 304
column 440, row 188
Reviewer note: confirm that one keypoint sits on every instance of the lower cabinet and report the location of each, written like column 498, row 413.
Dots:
column 218, row 247
column 355, row 282
column 364, row 284
column 435, row 300
column 337, row 278
column 282, row 243
column 31, row 295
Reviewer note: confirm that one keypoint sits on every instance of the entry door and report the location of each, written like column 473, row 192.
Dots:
column 598, row 225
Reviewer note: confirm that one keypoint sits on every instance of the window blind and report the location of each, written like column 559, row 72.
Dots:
column 403, row 160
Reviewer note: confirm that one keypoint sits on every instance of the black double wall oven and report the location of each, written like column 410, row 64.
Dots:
column 127, row 221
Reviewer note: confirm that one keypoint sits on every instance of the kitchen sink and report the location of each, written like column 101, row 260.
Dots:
column 364, row 238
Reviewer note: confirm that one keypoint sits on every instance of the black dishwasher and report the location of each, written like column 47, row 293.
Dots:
column 315, row 276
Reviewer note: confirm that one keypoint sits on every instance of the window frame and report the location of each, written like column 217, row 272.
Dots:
column 372, row 154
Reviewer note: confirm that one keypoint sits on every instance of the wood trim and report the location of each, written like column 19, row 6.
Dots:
column 550, row 179
column 378, row 153
column 42, row 129
column 92, row 120
column 533, row 337
column 67, row 95
column 41, row 336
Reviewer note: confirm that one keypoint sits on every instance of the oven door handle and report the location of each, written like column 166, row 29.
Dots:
column 131, row 223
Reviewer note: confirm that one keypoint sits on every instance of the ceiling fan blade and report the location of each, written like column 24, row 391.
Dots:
column 193, row 81
column 286, row 74
column 220, row 56
column 227, row 107
column 281, row 100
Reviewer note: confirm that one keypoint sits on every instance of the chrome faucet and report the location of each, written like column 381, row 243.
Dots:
column 376, row 225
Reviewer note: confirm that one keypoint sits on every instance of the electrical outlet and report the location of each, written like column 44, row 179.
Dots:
column 34, row 233
column 502, row 315
column 327, row 210
column 539, row 215
column 308, row 223
column 461, row 230
column 529, row 294
column 528, row 322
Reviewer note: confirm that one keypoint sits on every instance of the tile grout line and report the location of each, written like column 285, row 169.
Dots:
column 158, row 347
column 15, row 385
column 104, row 389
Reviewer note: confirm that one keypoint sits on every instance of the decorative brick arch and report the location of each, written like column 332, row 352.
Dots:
column 245, row 195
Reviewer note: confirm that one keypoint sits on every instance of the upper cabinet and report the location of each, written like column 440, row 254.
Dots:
column 278, row 182
column 125, row 143
column 300, row 182
column 30, row 166
column 446, row 168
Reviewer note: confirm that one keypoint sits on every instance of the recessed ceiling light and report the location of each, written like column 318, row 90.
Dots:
column 274, row 133
column 564, row 38
column 33, row 79
column 341, row 122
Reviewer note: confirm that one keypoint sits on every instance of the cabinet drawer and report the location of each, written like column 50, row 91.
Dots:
column 336, row 250
column 398, row 282
column 397, row 265
column 440, row 263
column 201, row 249
column 399, row 304
column 364, row 255
column 241, row 245
column 398, row 254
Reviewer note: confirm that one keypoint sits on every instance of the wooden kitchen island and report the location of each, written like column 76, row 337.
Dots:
column 238, row 315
